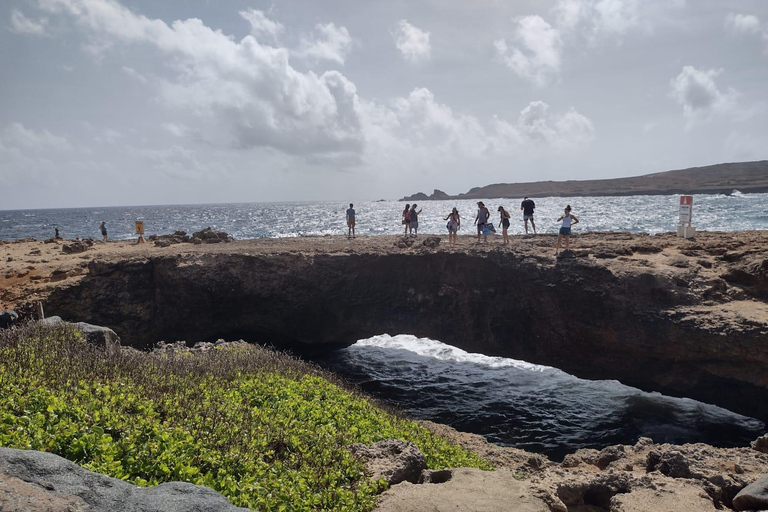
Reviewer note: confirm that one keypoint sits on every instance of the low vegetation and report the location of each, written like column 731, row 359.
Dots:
column 262, row 428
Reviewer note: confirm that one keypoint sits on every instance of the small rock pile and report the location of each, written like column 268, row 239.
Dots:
column 77, row 246
column 206, row 236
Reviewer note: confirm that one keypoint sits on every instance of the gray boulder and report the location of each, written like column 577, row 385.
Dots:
column 392, row 459
column 8, row 317
column 39, row 481
column 761, row 444
column 95, row 334
column 754, row 496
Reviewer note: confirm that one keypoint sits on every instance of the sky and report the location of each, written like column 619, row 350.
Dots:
column 107, row 102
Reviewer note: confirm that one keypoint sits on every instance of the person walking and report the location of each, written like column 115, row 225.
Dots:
column 351, row 221
column 504, row 221
column 454, row 223
column 407, row 219
column 415, row 221
column 528, row 206
column 481, row 220
column 565, row 230
column 103, row 231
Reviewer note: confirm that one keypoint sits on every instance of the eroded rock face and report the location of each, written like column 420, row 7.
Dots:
column 39, row 481
column 656, row 329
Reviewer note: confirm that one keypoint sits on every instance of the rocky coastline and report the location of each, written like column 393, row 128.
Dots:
column 691, row 315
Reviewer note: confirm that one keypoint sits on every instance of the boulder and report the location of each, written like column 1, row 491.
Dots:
column 610, row 454
column 76, row 247
column 392, row 459
column 754, row 496
column 431, row 241
column 95, row 334
column 760, row 444
column 39, row 481
column 8, row 317
column 672, row 463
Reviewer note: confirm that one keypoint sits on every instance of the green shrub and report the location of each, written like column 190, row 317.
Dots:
column 262, row 428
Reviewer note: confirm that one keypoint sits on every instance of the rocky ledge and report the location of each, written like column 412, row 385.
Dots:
column 683, row 317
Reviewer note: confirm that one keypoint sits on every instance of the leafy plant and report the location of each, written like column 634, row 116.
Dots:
column 264, row 429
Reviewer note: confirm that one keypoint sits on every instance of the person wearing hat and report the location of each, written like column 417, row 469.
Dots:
column 481, row 219
column 504, row 221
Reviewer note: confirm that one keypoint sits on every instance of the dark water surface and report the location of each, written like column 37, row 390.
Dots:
column 538, row 408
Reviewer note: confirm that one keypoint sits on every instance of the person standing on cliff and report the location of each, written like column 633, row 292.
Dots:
column 351, row 221
column 565, row 230
column 454, row 222
column 504, row 221
column 414, row 225
column 481, row 219
column 103, row 231
column 407, row 219
column 528, row 206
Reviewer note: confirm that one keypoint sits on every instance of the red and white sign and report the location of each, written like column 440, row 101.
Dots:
column 686, row 209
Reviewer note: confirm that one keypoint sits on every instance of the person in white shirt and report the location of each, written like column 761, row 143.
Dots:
column 565, row 230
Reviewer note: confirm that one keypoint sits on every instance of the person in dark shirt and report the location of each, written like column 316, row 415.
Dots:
column 351, row 221
column 528, row 206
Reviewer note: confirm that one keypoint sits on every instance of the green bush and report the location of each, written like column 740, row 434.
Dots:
column 262, row 428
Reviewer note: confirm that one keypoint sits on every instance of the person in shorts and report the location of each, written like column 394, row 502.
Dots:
column 351, row 221
column 103, row 228
column 407, row 219
column 504, row 221
column 565, row 230
column 528, row 206
column 454, row 222
column 414, row 225
column 481, row 220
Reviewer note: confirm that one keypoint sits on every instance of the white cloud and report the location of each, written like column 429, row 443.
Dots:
column 332, row 43
column 743, row 23
column 175, row 162
column 699, row 96
column 23, row 25
column 261, row 26
column 412, row 42
column 246, row 94
column 177, row 129
column 134, row 74
column 16, row 134
column 537, row 129
column 596, row 17
column 539, row 57
column 747, row 24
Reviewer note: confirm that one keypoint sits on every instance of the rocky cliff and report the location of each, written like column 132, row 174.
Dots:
column 683, row 317
column 712, row 179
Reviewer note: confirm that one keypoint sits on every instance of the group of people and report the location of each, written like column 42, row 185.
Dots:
column 410, row 221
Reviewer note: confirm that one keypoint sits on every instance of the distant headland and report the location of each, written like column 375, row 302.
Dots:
column 746, row 177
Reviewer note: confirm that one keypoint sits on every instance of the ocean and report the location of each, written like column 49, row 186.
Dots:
column 511, row 402
column 635, row 214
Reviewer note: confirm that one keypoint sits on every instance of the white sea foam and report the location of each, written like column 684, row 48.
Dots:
column 433, row 348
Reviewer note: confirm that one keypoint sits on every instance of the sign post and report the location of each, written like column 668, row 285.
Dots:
column 140, row 231
column 685, row 230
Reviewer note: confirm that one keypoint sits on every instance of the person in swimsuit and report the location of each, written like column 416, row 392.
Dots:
column 454, row 222
column 504, row 221
column 103, row 231
column 351, row 221
column 481, row 219
column 407, row 219
column 565, row 230
column 414, row 226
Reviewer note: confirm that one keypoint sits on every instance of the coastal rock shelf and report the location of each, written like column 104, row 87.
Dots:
column 682, row 317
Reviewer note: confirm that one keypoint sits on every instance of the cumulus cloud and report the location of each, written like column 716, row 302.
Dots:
column 135, row 74
column 23, row 25
column 538, row 56
column 699, row 96
column 250, row 93
column 261, row 26
column 747, row 24
column 537, row 128
column 331, row 43
column 596, row 17
column 412, row 42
